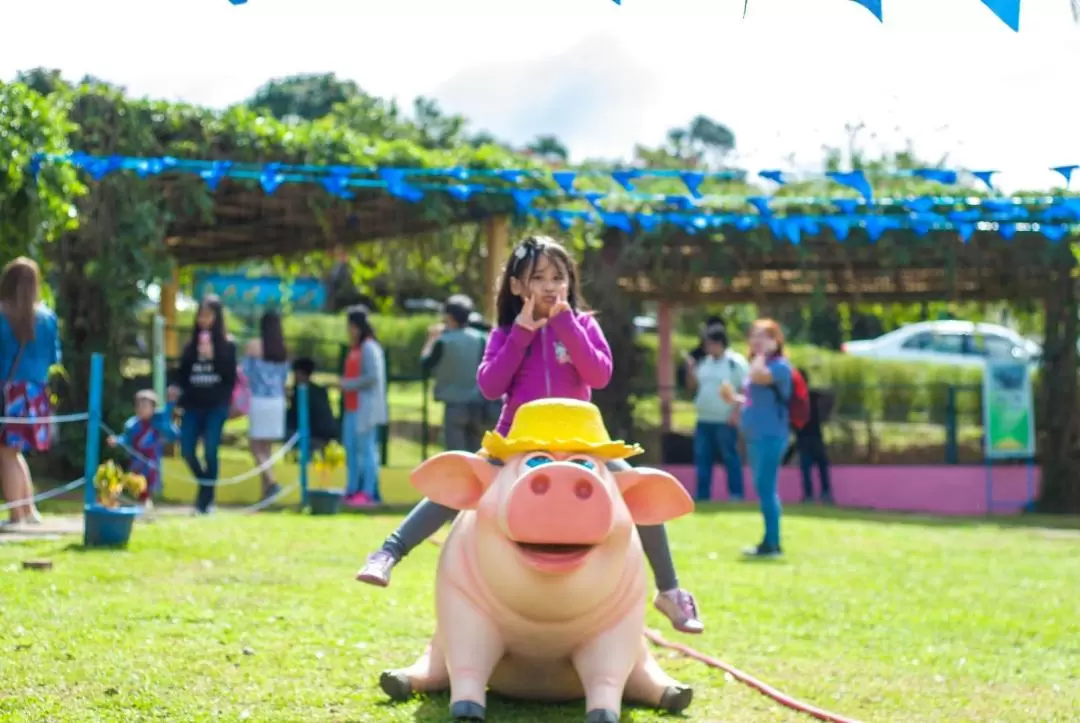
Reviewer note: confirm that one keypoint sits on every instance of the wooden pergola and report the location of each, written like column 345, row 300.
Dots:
column 246, row 223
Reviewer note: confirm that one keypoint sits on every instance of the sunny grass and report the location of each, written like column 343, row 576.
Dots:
column 880, row 618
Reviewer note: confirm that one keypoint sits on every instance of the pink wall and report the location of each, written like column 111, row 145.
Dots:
column 940, row 490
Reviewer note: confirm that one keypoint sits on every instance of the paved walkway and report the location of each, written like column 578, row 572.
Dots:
column 52, row 527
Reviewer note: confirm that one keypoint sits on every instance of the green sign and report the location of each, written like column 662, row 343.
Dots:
column 1008, row 411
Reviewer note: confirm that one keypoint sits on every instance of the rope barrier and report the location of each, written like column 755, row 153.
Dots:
column 242, row 477
column 48, row 494
column 54, row 419
column 746, row 679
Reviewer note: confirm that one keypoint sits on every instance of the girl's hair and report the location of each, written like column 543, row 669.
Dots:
column 772, row 330
column 20, row 285
column 521, row 264
column 273, row 340
column 217, row 331
column 358, row 317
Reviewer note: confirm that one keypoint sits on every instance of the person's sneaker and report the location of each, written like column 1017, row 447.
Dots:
column 763, row 552
column 681, row 609
column 376, row 570
column 270, row 492
column 358, row 500
column 736, row 498
column 826, row 498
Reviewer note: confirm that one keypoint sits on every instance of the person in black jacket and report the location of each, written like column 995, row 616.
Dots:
column 324, row 426
column 204, row 388
column 810, row 443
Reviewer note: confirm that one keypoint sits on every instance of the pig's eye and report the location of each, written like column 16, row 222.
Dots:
column 538, row 459
column 583, row 462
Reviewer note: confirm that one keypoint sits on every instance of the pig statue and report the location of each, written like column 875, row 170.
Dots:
column 541, row 586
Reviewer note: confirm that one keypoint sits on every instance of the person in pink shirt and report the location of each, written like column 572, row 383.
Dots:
column 545, row 345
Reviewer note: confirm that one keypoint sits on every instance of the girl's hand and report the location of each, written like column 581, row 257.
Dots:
column 561, row 305
column 174, row 394
column 758, row 363
column 435, row 330
column 727, row 393
column 525, row 319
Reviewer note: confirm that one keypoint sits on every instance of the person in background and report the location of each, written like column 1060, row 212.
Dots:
column 324, row 426
column 204, row 389
column 810, row 442
column 765, row 420
column 364, row 387
column 452, row 353
column 29, row 346
column 492, row 407
column 266, row 367
column 144, row 437
column 717, row 426
column 682, row 373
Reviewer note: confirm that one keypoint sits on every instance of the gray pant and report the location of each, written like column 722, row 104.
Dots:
column 463, row 425
column 427, row 517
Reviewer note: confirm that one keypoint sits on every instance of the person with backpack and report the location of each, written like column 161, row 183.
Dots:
column 773, row 397
column 717, row 420
column 810, row 443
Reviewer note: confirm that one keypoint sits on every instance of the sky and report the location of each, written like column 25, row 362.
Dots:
column 945, row 75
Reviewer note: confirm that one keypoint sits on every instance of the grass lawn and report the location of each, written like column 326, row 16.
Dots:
column 257, row 617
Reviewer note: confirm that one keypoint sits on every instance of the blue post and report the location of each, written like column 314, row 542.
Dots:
column 303, row 422
column 93, row 428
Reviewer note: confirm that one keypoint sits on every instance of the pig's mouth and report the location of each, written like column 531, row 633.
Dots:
column 551, row 557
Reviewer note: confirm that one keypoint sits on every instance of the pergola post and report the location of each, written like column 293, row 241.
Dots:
column 167, row 305
column 665, row 367
column 497, row 236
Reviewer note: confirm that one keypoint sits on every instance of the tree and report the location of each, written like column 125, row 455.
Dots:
column 41, row 80
column 550, row 149
column 304, row 96
column 434, row 128
column 714, row 140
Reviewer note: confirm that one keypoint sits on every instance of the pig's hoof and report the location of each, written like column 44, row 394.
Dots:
column 602, row 715
column 466, row 710
column 676, row 698
column 396, row 685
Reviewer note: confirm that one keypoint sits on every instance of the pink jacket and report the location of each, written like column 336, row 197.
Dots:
column 568, row 357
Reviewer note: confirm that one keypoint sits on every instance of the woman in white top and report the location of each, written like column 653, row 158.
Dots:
column 266, row 367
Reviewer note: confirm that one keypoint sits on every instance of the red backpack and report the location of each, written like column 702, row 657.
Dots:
column 798, row 403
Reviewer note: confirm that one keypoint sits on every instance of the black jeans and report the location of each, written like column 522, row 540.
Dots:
column 812, row 453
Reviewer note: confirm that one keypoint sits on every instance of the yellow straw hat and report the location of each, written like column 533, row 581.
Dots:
column 558, row 425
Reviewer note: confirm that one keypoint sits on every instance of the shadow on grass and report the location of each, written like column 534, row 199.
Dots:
column 436, row 707
column 842, row 514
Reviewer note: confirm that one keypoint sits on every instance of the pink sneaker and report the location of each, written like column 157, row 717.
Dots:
column 358, row 500
column 681, row 609
column 376, row 570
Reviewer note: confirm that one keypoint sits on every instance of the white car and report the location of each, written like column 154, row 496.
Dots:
column 955, row 343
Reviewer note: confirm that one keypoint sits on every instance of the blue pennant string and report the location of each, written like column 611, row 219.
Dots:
column 938, row 175
column 153, row 166
column 846, row 206
column 774, row 176
column 922, row 204
column 238, row 2
column 966, row 231
column 462, row 192
column 682, row 203
column 647, row 221
column 271, row 178
column 511, row 175
column 875, row 227
column 1054, row 233
column 986, row 177
column 595, row 199
column 35, row 165
column 337, row 185
column 853, row 179
column 1007, row 10
column 965, row 216
column 625, row 178
column 692, row 181
column 212, row 176
column 1066, row 172
column 1007, row 230
column 745, row 223
column 523, row 198
column 565, row 179
column 873, row 6
column 617, row 220
column 841, row 227
column 761, row 204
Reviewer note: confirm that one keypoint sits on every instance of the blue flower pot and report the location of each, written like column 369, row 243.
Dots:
column 109, row 526
column 325, row 502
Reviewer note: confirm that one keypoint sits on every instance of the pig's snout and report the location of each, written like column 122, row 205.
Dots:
column 559, row 504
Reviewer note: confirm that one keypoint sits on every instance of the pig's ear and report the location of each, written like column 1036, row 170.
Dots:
column 652, row 495
column 455, row 479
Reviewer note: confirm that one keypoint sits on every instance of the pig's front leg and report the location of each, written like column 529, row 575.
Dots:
column 473, row 647
column 604, row 663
